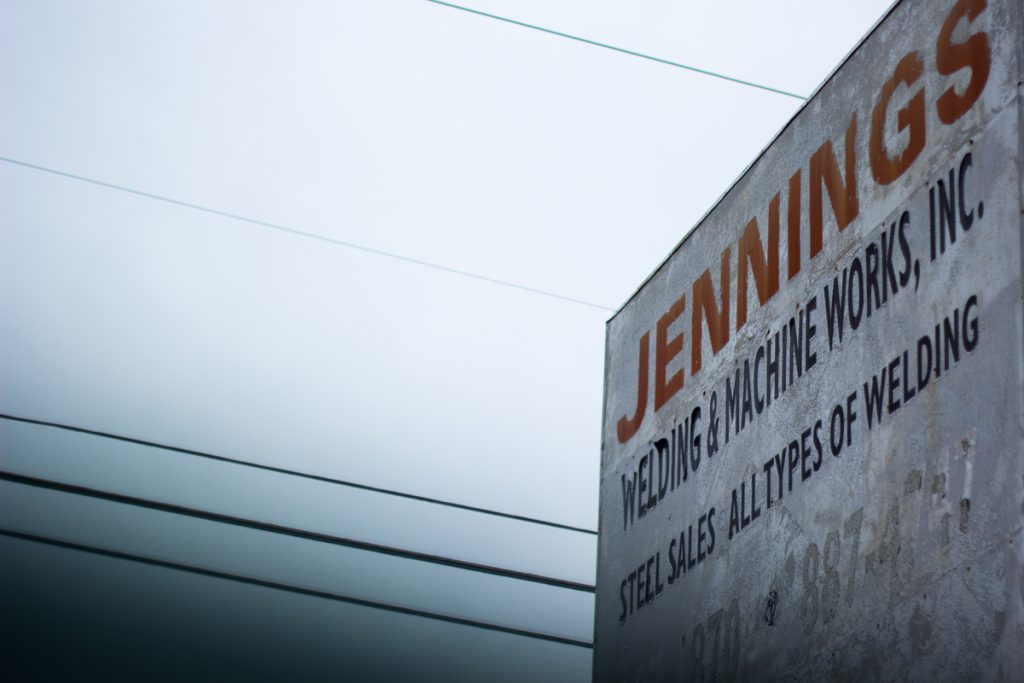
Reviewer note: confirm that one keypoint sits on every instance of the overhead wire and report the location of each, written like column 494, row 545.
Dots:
column 301, row 533
column 705, row 72
column 304, row 534
column 290, row 588
column 310, row 235
column 297, row 473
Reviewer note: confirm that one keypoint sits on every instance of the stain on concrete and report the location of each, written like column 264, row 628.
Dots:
column 920, row 632
column 999, row 627
column 913, row 482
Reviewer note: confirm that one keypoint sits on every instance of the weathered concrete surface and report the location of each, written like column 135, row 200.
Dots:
column 893, row 552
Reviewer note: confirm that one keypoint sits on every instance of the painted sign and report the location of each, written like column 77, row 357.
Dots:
column 813, row 449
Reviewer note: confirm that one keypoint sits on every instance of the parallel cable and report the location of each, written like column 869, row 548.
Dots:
column 276, row 585
column 283, row 530
column 704, row 72
column 310, row 235
column 297, row 474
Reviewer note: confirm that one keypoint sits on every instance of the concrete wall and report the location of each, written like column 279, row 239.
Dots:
column 891, row 549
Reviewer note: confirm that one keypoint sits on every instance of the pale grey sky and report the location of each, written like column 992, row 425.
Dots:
column 402, row 126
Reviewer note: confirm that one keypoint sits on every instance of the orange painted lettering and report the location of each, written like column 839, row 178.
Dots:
column 950, row 57
column 884, row 168
column 665, row 351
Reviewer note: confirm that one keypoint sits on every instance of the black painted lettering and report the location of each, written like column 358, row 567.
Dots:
column 772, row 370
column 888, row 271
column 836, row 422
column 768, row 481
column 794, row 461
column 711, row 530
column 796, row 345
column 856, row 311
column 780, row 460
column 966, row 217
column 701, row 537
column 681, row 437
column 648, row 584
column 924, row 367
column 947, row 213
column 805, row 452
column 672, row 561
column 872, row 293
column 664, row 458
column 817, row 444
column 758, row 396
column 810, row 329
column 642, row 487
column 785, row 354
column 851, row 417
column 951, row 339
column 931, row 222
column 695, row 439
column 893, row 403
column 744, row 517
column 734, row 515
column 628, row 500
column 747, row 410
column 905, row 250
column 970, row 323
column 622, row 598
column 908, row 387
column 732, row 403
column 641, row 587
column 835, row 305
column 755, row 509
column 691, row 559
column 672, row 457
column 873, row 399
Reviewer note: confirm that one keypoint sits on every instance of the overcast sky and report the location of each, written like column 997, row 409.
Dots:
column 402, row 126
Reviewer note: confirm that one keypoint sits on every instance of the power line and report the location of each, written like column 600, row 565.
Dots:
column 705, row 72
column 279, row 529
column 310, row 235
column 296, row 473
column 311, row 592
